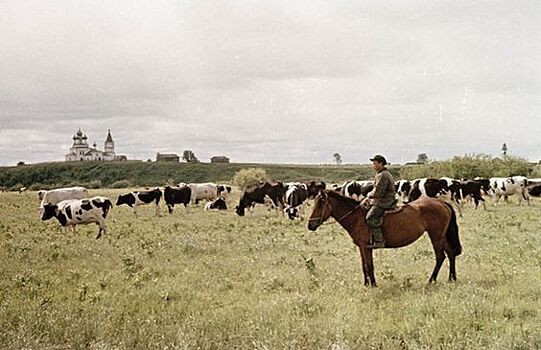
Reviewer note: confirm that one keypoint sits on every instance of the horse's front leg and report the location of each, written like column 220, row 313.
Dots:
column 363, row 266
column 368, row 265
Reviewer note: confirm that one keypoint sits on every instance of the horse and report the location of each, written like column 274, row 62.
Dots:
column 400, row 228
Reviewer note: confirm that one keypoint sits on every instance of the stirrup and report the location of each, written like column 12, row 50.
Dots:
column 376, row 245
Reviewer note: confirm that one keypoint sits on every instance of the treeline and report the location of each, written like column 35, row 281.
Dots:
column 146, row 174
column 471, row 166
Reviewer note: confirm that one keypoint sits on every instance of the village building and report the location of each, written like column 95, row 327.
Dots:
column 167, row 157
column 82, row 151
column 219, row 159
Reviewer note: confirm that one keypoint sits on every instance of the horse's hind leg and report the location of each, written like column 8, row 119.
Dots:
column 452, row 271
column 438, row 246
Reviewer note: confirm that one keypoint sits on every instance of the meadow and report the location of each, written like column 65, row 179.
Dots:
column 213, row 280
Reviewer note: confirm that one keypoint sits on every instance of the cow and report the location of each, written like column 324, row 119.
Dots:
column 314, row 187
column 72, row 212
column 202, row 191
column 463, row 190
column 294, row 198
column 357, row 189
column 218, row 204
column 223, row 191
column 59, row 194
column 402, row 189
column 535, row 191
column 41, row 194
column 176, row 195
column 257, row 194
column 137, row 198
column 428, row 187
column 501, row 186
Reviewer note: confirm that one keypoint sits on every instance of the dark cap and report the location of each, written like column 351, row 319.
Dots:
column 379, row 158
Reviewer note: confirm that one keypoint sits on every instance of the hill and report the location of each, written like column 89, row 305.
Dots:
column 137, row 173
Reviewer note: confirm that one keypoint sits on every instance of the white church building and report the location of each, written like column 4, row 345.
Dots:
column 81, row 151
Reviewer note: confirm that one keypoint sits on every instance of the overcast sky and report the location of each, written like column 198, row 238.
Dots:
column 271, row 81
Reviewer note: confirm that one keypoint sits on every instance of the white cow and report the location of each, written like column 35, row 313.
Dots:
column 508, row 186
column 72, row 212
column 59, row 194
column 202, row 191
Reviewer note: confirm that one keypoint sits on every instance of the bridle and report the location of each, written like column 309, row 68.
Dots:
column 320, row 218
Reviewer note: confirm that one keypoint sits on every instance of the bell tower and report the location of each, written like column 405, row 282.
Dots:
column 109, row 146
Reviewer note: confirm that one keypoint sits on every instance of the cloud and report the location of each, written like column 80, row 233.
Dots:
column 270, row 81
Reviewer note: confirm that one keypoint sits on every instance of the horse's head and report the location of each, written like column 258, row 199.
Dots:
column 322, row 211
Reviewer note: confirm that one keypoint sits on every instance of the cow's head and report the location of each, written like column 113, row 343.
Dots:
column 49, row 211
column 128, row 199
column 291, row 212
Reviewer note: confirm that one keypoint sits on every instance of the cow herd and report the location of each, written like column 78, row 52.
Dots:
column 72, row 206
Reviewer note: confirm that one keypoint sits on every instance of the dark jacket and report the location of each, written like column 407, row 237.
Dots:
column 383, row 194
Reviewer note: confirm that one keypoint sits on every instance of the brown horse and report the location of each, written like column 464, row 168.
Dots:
column 400, row 229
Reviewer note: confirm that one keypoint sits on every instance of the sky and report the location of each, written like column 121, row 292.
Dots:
column 271, row 81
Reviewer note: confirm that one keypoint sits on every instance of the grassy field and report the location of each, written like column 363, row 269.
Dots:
column 212, row 280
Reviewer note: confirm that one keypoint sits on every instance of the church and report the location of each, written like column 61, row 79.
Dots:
column 81, row 151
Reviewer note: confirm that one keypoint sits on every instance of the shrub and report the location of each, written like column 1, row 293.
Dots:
column 245, row 178
column 468, row 167
column 122, row 184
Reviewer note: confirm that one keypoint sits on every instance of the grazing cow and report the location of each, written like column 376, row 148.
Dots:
column 428, row 187
column 295, row 197
column 176, row 195
column 72, row 212
column 22, row 189
column 357, row 189
column 502, row 186
column 251, row 196
column 223, row 191
column 463, row 190
column 535, row 191
column 218, row 204
column 136, row 198
column 402, row 188
column 59, row 194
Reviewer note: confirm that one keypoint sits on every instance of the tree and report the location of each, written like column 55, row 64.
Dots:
column 337, row 158
column 19, row 163
column 422, row 158
column 189, row 157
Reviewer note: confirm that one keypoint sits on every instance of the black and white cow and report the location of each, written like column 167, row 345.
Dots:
column 258, row 194
column 357, row 189
column 74, row 212
column 508, row 186
column 137, row 198
column 176, row 195
column 428, row 187
column 314, row 187
column 463, row 190
column 295, row 196
column 402, row 189
column 535, row 191
column 223, row 191
column 217, row 204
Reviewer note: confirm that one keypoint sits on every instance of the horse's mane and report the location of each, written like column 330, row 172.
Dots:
column 352, row 203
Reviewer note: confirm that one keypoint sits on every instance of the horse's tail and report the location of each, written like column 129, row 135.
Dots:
column 452, row 233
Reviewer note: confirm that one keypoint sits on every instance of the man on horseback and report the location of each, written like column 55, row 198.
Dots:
column 381, row 198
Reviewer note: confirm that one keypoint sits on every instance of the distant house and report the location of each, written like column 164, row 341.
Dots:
column 219, row 159
column 167, row 157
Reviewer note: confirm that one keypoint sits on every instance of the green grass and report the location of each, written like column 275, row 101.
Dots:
column 105, row 174
column 212, row 280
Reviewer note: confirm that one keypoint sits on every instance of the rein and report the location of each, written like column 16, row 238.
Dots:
column 335, row 220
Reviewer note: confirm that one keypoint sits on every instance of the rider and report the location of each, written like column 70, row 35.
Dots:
column 381, row 198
